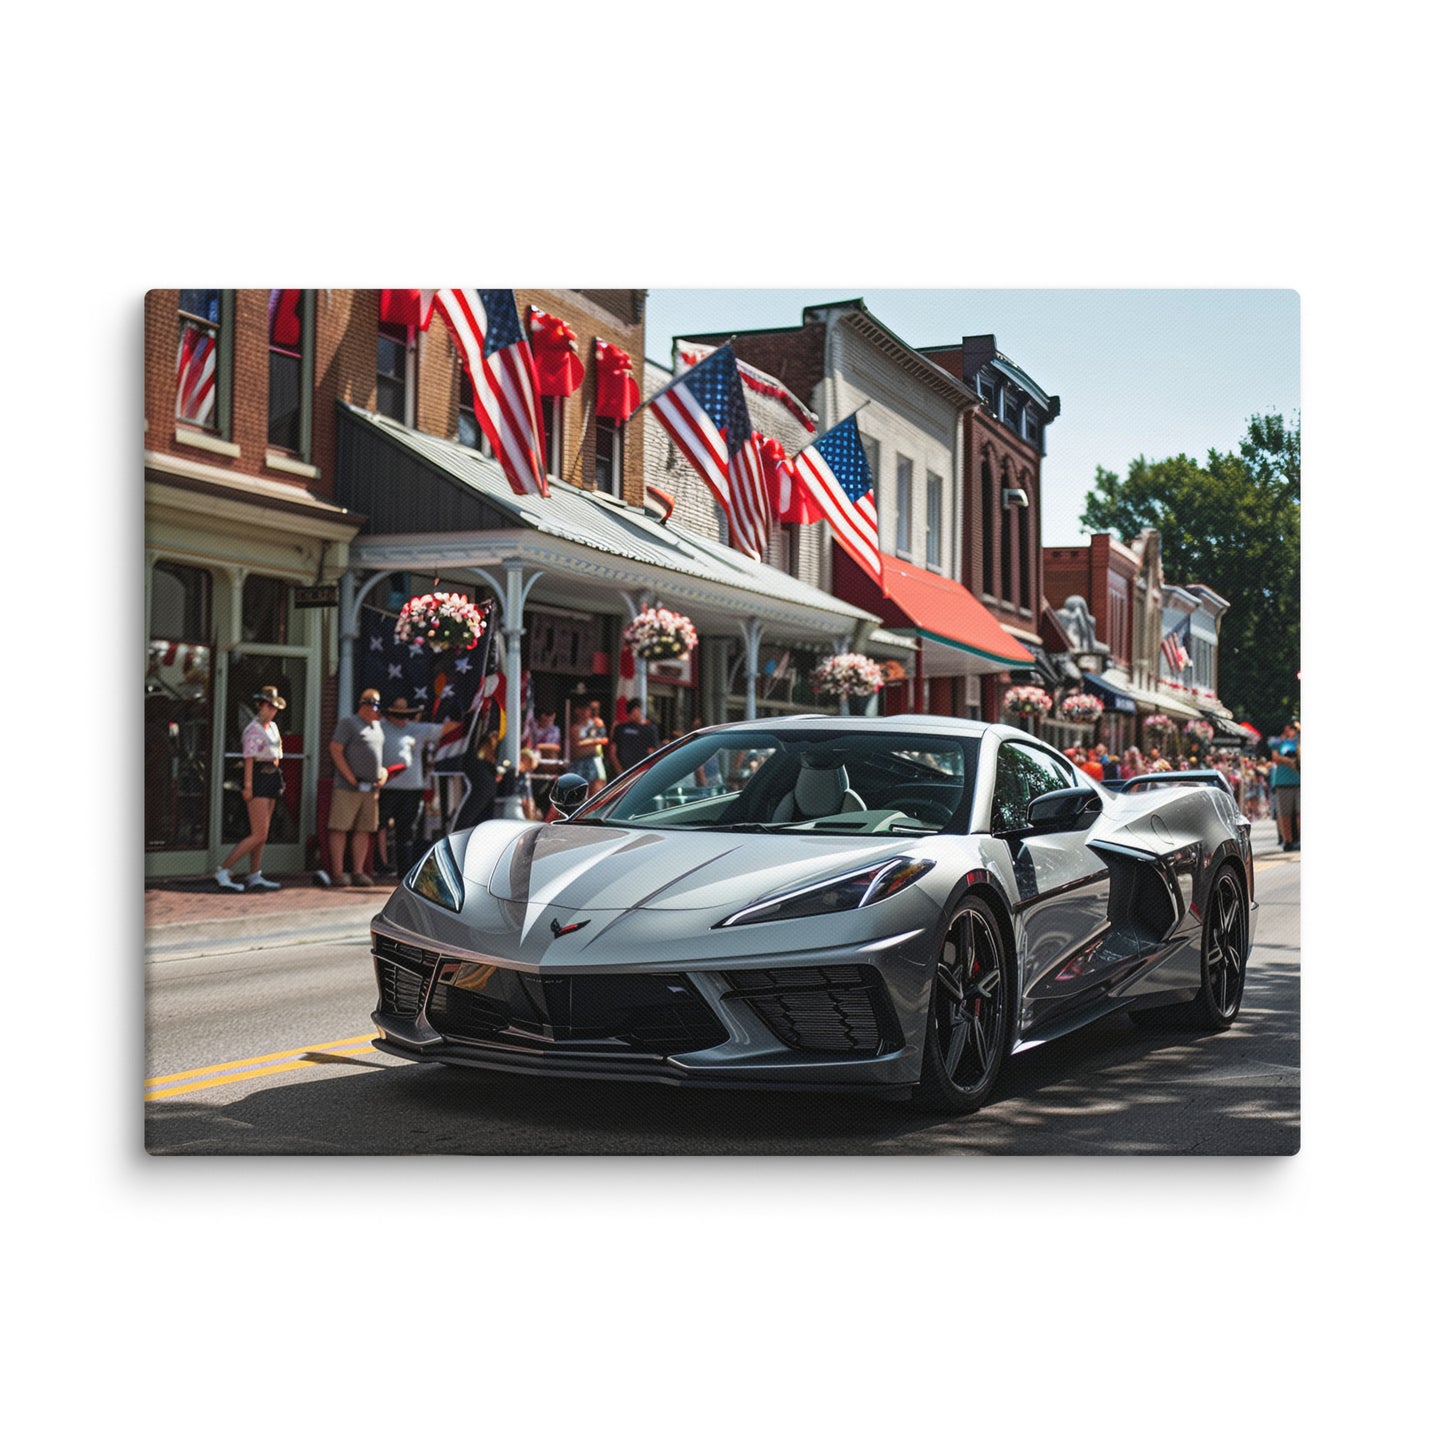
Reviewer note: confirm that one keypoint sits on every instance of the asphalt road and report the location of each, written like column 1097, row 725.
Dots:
column 267, row 1051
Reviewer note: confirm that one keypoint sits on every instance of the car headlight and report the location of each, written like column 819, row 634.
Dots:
column 437, row 877
column 835, row 895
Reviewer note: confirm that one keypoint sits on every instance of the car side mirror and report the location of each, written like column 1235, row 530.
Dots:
column 569, row 792
column 1067, row 808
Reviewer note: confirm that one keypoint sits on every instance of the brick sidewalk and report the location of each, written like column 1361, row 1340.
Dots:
column 200, row 900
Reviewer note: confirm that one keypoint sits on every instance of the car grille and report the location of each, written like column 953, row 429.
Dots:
column 402, row 972
column 655, row 1014
column 832, row 1010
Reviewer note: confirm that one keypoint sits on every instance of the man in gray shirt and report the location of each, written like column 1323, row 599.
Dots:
column 356, row 755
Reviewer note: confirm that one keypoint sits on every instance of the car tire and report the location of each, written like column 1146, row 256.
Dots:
column 1223, row 951
column 970, row 1014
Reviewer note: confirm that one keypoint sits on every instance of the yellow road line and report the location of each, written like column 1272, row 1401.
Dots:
column 238, row 1069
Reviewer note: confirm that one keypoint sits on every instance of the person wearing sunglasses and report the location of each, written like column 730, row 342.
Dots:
column 356, row 755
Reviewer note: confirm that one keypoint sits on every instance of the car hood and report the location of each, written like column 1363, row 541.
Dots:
column 602, row 868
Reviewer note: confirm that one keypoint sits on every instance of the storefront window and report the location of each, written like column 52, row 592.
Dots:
column 265, row 609
column 178, row 686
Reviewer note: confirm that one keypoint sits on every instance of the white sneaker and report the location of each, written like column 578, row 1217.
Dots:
column 224, row 879
column 255, row 880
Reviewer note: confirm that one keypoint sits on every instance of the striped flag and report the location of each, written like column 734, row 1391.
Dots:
column 1175, row 646
column 494, row 349
column 705, row 412
column 196, row 374
column 835, row 470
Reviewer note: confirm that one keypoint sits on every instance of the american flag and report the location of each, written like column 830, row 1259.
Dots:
column 196, row 374
column 1175, row 646
column 498, row 359
column 444, row 684
column 705, row 412
column 835, row 470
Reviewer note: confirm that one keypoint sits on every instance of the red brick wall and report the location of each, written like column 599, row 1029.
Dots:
column 1014, row 464
column 345, row 367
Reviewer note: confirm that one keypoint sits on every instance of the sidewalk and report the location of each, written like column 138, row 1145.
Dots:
column 193, row 915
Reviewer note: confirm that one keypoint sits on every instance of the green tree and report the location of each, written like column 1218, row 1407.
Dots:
column 1232, row 524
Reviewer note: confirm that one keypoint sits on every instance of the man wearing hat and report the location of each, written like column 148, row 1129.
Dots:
column 404, row 743
column 261, row 785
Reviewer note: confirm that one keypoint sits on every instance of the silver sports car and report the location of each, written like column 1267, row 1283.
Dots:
column 888, row 904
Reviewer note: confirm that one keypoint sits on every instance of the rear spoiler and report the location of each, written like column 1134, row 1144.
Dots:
column 1205, row 776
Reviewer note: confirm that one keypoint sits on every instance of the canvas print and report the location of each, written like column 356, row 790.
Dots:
column 703, row 722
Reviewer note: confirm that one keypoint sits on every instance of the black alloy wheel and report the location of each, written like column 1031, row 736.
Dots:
column 1223, row 946
column 970, row 1014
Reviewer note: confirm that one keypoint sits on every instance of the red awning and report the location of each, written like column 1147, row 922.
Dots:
column 951, row 623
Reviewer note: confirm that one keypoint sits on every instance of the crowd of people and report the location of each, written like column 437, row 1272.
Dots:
column 380, row 778
column 1266, row 780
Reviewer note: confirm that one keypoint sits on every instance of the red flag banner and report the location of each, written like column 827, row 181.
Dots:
column 617, row 392
column 791, row 502
column 554, row 348
column 408, row 308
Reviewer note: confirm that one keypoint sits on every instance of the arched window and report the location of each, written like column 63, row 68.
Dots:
column 988, row 514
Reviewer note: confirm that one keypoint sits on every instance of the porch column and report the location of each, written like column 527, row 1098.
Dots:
column 752, row 631
column 512, row 596
column 635, row 603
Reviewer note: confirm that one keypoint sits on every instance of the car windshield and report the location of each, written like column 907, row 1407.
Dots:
column 824, row 780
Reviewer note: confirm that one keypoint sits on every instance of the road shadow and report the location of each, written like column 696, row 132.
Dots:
column 1111, row 1089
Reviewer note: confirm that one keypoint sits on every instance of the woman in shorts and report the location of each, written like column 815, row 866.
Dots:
column 261, row 785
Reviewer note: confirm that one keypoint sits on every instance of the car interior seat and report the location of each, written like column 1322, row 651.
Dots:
column 821, row 789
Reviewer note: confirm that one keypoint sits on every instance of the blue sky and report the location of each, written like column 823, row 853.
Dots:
column 1151, row 372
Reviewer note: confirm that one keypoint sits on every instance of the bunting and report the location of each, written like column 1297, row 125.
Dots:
column 790, row 500
column 617, row 392
column 554, row 348
column 408, row 308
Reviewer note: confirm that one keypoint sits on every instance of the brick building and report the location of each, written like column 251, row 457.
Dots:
column 932, row 445
column 313, row 454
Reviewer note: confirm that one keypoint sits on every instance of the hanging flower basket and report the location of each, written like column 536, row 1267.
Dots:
column 1028, row 702
column 847, row 674
column 1082, row 707
column 1200, row 731
column 440, row 620
column 657, row 633
column 1157, row 727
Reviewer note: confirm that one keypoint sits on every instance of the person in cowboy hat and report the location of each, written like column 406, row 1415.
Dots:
column 261, row 785
column 404, row 742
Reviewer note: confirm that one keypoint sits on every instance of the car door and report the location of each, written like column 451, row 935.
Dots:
column 1063, row 889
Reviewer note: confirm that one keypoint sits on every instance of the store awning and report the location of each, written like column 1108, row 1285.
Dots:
column 1227, row 730
column 955, row 630
column 590, row 546
column 1172, row 707
column 1115, row 696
